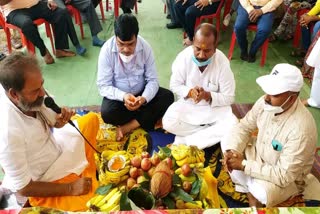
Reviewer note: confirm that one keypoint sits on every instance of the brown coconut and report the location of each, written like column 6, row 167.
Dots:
column 161, row 181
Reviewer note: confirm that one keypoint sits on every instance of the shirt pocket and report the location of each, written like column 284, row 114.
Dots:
column 213, row 87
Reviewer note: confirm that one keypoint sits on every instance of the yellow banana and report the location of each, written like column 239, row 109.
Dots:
column 116, row 208
column 179, row 152
column 107, row 197
column 190, row 178
column 180, row 204
column 94, row 200
column 196, row 205
column 183, row 161
column 178, row 171
column 112, row 202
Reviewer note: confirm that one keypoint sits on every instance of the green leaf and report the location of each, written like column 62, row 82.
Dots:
column 165, row 150
column 103, row 190
column 145, row 185
column 124, row 202
column 196, row 187
column 142, row 198
column 169, row 202
column 182, row 194
column 176, row 179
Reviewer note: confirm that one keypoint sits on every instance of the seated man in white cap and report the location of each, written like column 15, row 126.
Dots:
column 272, row 168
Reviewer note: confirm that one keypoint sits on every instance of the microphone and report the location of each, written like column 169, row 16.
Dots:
column 49, row 103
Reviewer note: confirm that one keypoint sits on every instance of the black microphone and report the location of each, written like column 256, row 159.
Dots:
column 49, row 103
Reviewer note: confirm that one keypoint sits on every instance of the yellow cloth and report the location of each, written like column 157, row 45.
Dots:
column 88, row 125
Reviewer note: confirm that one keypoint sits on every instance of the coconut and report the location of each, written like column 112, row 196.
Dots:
column 161, row 181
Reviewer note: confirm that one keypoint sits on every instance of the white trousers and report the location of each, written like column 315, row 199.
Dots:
column 245, row 183
column 314, row 99
column 202, row 136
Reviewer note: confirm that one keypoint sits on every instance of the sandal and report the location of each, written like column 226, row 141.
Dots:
column 298, row 53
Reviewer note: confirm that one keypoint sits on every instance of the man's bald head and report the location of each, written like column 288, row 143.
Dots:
column 207, row 30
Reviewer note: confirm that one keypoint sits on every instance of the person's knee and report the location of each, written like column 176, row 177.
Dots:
column 191, row 13
column 240, row 25
column 108, row 115
column 169, row 124
column 27, row 25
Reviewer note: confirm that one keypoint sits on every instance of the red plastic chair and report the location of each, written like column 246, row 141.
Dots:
column 117, row 4
column 165, row 8
column 227, row 9
column 77, row 18
column 25, row 42
column 210, row 18
column 102, row 11
column 264, row 47
column 297, row 34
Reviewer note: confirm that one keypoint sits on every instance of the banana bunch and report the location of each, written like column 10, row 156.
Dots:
column 187, row 154
column 105, row 203
column 108, row 177
column 180, row 204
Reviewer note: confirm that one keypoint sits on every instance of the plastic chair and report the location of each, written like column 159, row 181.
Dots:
column 264, row 47
column 297, row 34
column 210, row 18
column 102, row 11
column 77, row 18
column 25, row 42
column 165, row 8
column 117, row 4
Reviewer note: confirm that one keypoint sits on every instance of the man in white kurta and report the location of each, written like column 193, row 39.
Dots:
column 203, row 80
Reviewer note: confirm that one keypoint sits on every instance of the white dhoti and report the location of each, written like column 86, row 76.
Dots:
column 199, row 125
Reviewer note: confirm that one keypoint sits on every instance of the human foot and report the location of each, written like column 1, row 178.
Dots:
column 187, row 42
column 119, row 133
column 253, row 202
column 64, row 53
column 48, row 59
column 305, row 102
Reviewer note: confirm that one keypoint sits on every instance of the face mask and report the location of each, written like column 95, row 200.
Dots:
column 275, row 109
column 126, row 59
column 201, row 64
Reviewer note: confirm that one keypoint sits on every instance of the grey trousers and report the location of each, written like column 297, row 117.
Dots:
column 87, row 8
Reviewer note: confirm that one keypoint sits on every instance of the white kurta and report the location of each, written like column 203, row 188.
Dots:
column 314, row 61
column 31, row 150
column 202, row 124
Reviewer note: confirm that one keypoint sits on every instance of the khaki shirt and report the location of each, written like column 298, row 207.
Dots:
column 267, row 5
column 284, row 169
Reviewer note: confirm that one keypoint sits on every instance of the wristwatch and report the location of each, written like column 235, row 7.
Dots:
column 210, row 2
column 244, row 163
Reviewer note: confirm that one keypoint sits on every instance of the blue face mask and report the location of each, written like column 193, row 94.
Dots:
column 201, row 64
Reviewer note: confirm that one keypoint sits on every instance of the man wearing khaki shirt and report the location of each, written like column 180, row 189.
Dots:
column 272, row 168
column 254, row 11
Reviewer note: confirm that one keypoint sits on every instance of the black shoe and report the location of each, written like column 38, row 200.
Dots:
column 139, row 1
column 168, row 16
column 251, row 58
column 244, row 57
column 173, row 25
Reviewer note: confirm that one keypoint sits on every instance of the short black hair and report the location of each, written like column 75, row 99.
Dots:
column 126, row 26
column 13, row 68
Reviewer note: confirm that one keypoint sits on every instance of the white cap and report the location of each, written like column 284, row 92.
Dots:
column 283, row 77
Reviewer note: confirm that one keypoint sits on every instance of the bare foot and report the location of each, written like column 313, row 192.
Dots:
column 187, row 42
column 253, row 202
column 64, row 53
column 119, row 133
column 48, row 59
column 305, row 102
